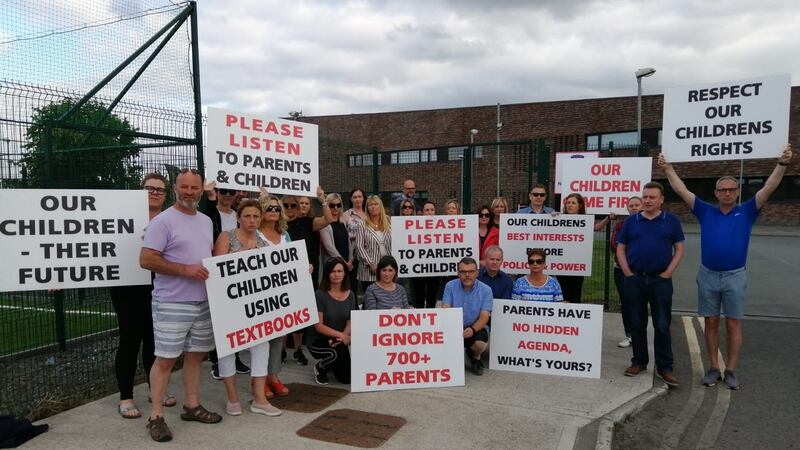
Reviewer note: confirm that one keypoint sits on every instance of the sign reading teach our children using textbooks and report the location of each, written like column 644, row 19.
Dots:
column 548, row 338
column 62, row 239
column 248, row 152
column 258, row 295
column 606, row 184
column 727, row 120
column 431, row 246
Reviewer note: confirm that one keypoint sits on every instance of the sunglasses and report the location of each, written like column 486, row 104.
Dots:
column 727, row 190
column 272, row 208
column 155, row 190
column 334, row 205
column 538, row 194
column 290, row 205
column 487, row 215
column 535, row 261
column 408, row 207
column 227, row 192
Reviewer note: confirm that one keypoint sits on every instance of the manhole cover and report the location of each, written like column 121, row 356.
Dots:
column 350, row 427
column 308, row 398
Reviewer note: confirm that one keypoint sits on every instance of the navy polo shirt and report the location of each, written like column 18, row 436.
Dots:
column 649, row 243
column 501, row 284
column 724, row 238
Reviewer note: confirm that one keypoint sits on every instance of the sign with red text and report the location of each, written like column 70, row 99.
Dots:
column 606, row 184
column 565, row 156
column 567, row 239
column 548, row 338
column 246, row 152
column 63, row 238
column 258, row 295
column 431, row 246
column 406, row 349
column 727, row 120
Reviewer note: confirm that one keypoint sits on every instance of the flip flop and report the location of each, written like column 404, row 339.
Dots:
column 129, row 412
column 169, row 401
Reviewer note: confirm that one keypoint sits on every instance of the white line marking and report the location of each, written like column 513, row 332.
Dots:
column 714, row 425
column 52, row 311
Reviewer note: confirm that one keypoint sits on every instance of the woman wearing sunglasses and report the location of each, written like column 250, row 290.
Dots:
column 335, row 237
column 536, row 286
column 488, row 234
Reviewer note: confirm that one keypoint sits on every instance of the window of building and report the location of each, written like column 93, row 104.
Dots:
column 412, row 156
column 623, row 139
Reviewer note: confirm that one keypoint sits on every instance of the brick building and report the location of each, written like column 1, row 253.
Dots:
column 428, row 147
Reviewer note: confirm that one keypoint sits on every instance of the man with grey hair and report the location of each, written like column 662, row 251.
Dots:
column 722, row 278
column 492, row 276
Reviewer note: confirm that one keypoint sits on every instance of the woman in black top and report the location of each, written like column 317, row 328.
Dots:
column 335, row 237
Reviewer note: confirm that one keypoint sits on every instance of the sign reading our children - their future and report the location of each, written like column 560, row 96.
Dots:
column 547, row 338
column 727, row 120
column 427, row 246
column 567, row 239
column 248, row 152
column 258, row 295
column 406, row 349
column 606, row 184
column 60, row 239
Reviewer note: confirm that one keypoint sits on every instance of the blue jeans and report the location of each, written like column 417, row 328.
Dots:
column 641, row 291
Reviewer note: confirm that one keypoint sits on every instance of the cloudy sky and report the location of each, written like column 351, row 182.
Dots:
column 339, row 57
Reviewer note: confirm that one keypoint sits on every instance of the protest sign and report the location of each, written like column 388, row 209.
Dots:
column 428, row 246
column 727, row 120
column 406, row 349
column 561, row 157
column 567, row 240
column 247, row 152
column 258, row 295
column 548, row 338
column 60, row 239
column 606, row 183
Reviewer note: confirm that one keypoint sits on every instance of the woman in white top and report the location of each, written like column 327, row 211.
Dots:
column 354, row 219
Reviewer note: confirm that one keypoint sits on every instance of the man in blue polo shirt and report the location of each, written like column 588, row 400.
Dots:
column 649, row 249
column 722, row 278
column 475, row 300
column 499, row 281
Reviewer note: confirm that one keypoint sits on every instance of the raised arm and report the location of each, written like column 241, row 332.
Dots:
column 676, row 182
column 327, row 217
column 775, row 177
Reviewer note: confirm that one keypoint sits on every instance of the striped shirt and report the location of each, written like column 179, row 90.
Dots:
column 377, row 297
column 550, row 291
column 371, row 246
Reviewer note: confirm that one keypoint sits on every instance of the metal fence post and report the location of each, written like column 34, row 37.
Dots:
column 60, row 319
column 608, row 267
column 466, row 182
column 375, row 178
column 198, row 110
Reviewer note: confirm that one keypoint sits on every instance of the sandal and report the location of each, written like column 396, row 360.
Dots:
column 129, row 412
column 200, row 414
column 159, row 430
column 169, row 401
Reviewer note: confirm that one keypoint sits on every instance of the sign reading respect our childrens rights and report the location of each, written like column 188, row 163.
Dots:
column 248, row 152
column 428, row 246
column 548, row 338
column 258, row 295
column 606, row 184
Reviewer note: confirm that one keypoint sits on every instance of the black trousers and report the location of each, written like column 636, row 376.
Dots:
column 571, row 287
column 134, row 314
column 425, row 290
column 336, row 359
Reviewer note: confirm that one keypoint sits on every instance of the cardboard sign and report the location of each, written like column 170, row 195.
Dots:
column 567, row 239
column 247, row 152
column 727, row 120
column 548, row 338
column 561, row 158
column 431, row 246
column 258, row 295
column 606, row 184
column 406, row 349
column 62, row 238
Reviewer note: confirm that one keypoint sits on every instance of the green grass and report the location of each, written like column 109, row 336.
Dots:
column 593, row 286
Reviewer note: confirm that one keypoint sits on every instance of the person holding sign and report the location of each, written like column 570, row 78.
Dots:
column 538, row 195
column 373, row 241
column 244, row 238
column 385, row 293
column 330, row 339
column 475, row 300
column 536, row 286
column 724, row 240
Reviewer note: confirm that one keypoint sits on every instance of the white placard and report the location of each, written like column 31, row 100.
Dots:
column 548, row 338
column 567, row 239
column 406, row 349
column 247, row 152
column 727, row 120
column 259, row 294
column 428, row 246
column 565, row 156
column 606, row 184
column 65, row 238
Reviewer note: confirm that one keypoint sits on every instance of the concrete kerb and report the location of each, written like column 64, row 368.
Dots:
column 605, row 431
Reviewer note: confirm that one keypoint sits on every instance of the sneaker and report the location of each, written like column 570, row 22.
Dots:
column 320, row 375
column 241, row 367
column 233, row 409
column 625, row 343
column 159, row 431
column 668, row 377
column 711, row 377
column 477, row 366
column 300, row 358
column 283, row 356
column 267, row 410
column 634, row 370
column 215, row 372
column 731, row 381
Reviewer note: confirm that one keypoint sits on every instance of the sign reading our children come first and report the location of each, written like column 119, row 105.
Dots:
column 726, row 120
column 606, row 184
column 248, row 152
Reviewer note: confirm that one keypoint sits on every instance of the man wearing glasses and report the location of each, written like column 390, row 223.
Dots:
column 475, row 300
column 538, row 195
column 409, row 191
column 722, row 277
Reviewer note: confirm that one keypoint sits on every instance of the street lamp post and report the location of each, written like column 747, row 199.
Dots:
column 641, row 73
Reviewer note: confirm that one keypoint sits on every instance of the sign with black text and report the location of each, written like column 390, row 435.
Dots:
column 567, row 240
column 431, row 246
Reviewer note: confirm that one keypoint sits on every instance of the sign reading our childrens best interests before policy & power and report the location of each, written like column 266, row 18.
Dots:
column 258, row 295
column 428, row 246
column 62, row 239
column 727, row 120
column 248, row 152
column 548, row 338
column 606, row 184
column 567, row 239
column 406, row 349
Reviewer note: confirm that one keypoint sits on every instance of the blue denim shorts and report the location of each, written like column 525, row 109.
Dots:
column 721, row 291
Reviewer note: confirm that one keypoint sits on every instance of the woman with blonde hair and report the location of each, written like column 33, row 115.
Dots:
column 499, row 206
column 373, row 241
column 335, row 237
column 452, row 207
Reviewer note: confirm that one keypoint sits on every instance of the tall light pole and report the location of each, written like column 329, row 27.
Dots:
column 641, row 73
